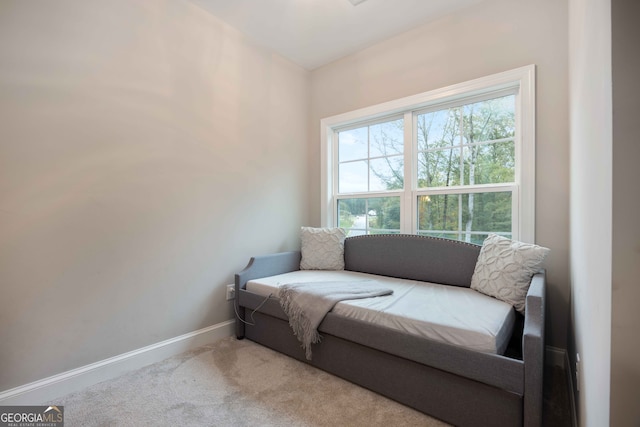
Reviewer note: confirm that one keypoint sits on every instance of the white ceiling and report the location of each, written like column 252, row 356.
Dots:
column 313, row 33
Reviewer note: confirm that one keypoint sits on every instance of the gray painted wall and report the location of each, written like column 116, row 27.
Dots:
column 146, row 152
column 493, row 36
column 625, row 345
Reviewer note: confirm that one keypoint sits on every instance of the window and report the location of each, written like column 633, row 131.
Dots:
column 456, row 163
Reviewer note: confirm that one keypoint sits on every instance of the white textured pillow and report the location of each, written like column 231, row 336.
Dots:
column 322, row 248
column 505, row 267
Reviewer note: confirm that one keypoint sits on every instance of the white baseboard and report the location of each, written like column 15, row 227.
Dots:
column 48, row 389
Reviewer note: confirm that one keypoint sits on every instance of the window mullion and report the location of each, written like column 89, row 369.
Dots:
column 368, row 158
column 461, row 163
column 461, row 144
column 335, row 175
column 407, row 206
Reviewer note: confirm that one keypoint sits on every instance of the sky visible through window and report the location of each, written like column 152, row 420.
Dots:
column 370, row 157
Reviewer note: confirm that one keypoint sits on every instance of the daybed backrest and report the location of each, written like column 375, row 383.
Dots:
column 405, row 256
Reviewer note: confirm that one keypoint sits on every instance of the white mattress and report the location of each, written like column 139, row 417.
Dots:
column 454, row 315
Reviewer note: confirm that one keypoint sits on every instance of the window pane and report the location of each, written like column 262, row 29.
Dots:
column 384, row 215
column 352, row 216
column 468, row 217
column 490, row 120
column 386, row 139
column 440, row 168
column 369, row 216
column 380, row 148
column 489, row 163
column 438, row 129
column 352, row 144
column 485, row 121
column 352, row 177
column 438, row 212
column 386, row 173
column 490, row 212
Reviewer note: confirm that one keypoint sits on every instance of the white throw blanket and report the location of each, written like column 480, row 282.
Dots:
column 307, row 304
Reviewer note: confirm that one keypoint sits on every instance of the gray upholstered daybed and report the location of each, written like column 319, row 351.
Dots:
column 455, row 384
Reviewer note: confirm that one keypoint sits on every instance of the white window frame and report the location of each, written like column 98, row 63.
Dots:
column 522, row 80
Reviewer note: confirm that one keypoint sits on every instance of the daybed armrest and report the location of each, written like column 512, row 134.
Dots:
column 262, row 266
column 533, row 350
column 268, row 265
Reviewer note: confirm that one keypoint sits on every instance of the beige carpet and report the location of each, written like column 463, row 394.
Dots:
column 233, row 383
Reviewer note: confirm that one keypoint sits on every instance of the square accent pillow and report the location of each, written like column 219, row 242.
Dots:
column 505, row 267
column 322, row 248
